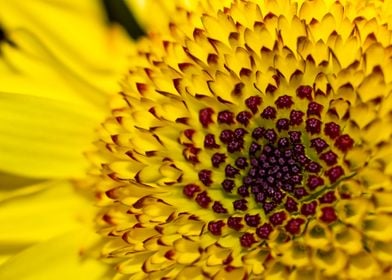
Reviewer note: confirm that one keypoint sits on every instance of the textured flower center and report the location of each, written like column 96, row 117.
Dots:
column 279, row 164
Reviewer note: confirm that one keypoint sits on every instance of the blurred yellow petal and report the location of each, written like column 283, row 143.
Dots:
column 330, row 261
column 82, row 66
column 378, row 227
column 54, row 208
column 43, row 137
column 77, row 31
column 34, row 70
column 363, row 266
column 62, row 257
column 11, row 185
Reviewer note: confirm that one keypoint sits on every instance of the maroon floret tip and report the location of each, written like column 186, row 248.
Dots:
column 284, row 101
column 191, row 189
column 328, row 215
column 235, row 223
column 226, row 117
column 205, row 116
column 216, row 227
column 293, row 226
column 247, row 240
column 269, row 113
column 304, row 92
column 344, row 143
column 203, row 199
column 205, row 177
column 253, row 103
column 264, row 231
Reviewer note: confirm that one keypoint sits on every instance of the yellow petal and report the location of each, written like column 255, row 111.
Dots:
column 277, row 271
column 34, row 69
column 63, row 257
column 42, row 137
column 295, row 253
column 383, row 201
column 331, row 262
column 11, row 186
column 317, row 235
column 363, row 266
column 305, row 274
column 378, row 227
column 71, row 29
column 352, row 211
column 348, row 239
column 383, row 251
column 53, row 210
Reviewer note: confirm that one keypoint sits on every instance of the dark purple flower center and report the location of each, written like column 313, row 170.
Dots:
column 277, row 166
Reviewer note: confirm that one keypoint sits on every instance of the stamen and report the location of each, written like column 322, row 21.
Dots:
column 313, row 126
column 305, row 92
column 235, row 223
column 247, row 240
column 205, row 116
column 328, row 215
column 218, row 208
column 191, row 189
column 217, row 159
column 332, row 130
column 226, row 117
column 203, row 199
column 296, row 117
column 314, row 109
column 269, row 113
column 253, row 103
column 334, row 173
column 284, row 101
column 293, row 226
column 209, row 142
column 264, row 231
column 205, row 177
column 344, row 143
column 216, row 227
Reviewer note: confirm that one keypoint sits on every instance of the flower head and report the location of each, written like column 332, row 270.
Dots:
column 257, row 144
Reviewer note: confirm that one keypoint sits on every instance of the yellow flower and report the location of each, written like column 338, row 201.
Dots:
column 253, row 142
column 250, row 140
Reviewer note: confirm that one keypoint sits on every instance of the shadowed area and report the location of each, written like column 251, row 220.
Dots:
column 2, row 34
column 118, row 12
column 4, row 38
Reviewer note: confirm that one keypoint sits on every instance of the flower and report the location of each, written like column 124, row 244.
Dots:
column 249, row 140
column 253, row 142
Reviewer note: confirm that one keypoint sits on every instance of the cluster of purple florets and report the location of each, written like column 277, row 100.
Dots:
column 269, row 164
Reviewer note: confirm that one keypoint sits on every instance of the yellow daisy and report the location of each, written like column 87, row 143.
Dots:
column 253, row 142
column 250, row 140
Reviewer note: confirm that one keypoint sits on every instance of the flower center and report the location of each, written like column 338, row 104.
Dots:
column 279, row 166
